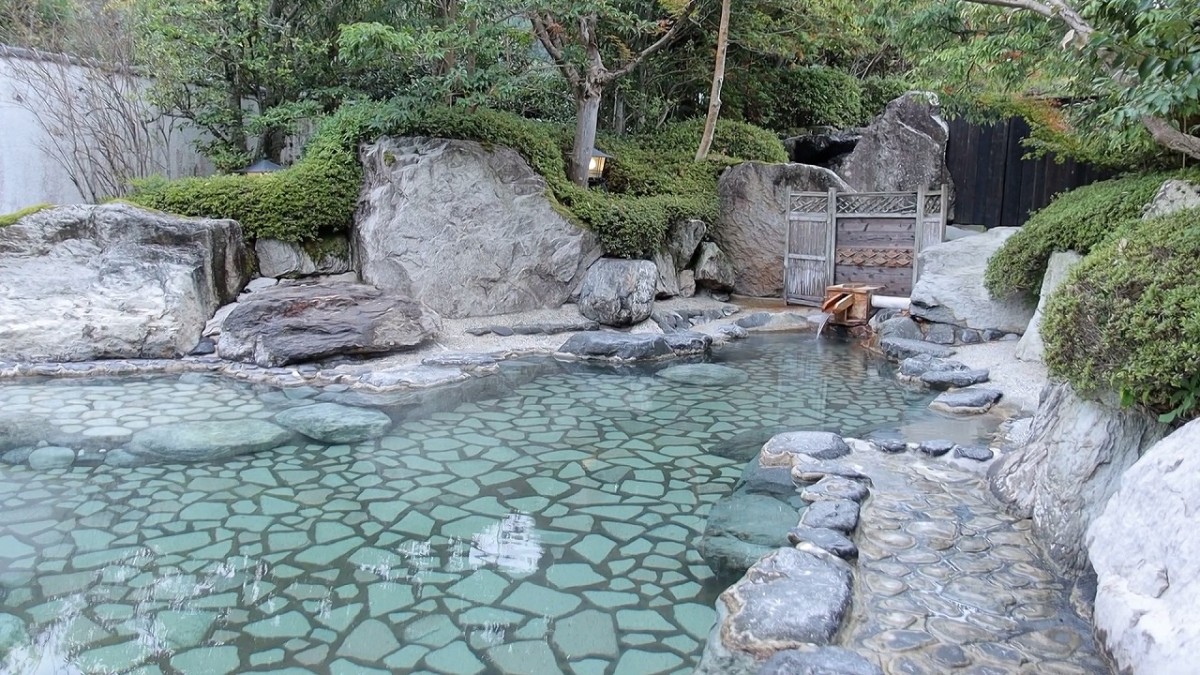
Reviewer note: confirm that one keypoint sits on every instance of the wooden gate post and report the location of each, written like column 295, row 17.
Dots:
column 831, row 239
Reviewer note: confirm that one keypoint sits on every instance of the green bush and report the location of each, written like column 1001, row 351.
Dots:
column 1128, row 317
column 1075, row 221
column 10, row 218
column 732, row 139
column 815, row 96
column 877, row 92
column 650, row 187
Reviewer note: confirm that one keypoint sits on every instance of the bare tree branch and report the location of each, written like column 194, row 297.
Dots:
column 662, row 43
column 555, row 50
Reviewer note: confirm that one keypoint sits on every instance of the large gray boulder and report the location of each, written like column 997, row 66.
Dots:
column 950, row 289
column 1032, row 347
column 79, row 283
column 903, row 150
column 286, row 260
column 1070, row 467
column 467, row 230
column 296, row 323
column 1146, row 555
column 791, row 599
column 752, row 227
column 618, row 292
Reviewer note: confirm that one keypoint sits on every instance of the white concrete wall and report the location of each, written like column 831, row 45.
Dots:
column 31, row 175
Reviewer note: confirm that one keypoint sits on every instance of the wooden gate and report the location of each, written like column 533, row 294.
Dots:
column 866, row 237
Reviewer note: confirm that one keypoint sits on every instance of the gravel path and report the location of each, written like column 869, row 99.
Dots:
column 1021, row 381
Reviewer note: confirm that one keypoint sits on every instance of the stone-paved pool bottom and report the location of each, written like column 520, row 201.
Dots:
column 548, row 529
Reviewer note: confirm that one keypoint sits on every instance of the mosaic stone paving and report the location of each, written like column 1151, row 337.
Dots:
column 951, row 584
column 547, row 529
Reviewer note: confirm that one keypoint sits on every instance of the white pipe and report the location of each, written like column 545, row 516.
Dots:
column 889, row 302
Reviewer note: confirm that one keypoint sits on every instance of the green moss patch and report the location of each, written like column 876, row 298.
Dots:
column 11, row 218
column 653, row 181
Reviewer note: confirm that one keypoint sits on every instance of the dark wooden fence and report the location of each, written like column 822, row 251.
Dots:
column 994, row 186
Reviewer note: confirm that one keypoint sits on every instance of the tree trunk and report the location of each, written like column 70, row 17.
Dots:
column 587, row 113
column 714, row 97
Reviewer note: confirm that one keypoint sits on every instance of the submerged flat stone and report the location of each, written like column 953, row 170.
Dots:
column 334, row 423
column 835, row 487
column 704, row 375
column 972, row 401
column 206, row 441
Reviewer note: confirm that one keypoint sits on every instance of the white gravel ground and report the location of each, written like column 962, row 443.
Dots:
column 1021, row 381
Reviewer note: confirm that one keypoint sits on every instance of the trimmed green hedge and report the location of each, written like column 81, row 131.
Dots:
column 1128, row 317
column 653, row 181
column 1075, row 221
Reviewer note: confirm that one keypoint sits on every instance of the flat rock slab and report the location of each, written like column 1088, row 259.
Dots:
column 704, row 375
column 805, row 471
column 606, row 345
column 299, row 323
column 900, row 348
column 51, row 457
column 891, row 447
column 788, row 599
column 206, row 441
column 833, row 541
column 916, row 366
column 822, row 661
column 954, row 379
column 972, row 401
column 935, row 448
column 555, row 327
column 834, row 514
column 835, row 487
column 333, row 423
column 784, row 448
column 974, row 453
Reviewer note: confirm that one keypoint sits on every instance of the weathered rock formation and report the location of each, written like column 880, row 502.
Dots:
column 285, row 260
column 1144, row 549
column 790, row 599
column 951, row 290
column 465, row 229
column 904, row 149
column 618, row 292
column 1071, row 466
column 751, row 232
column 1032, row 347
column 613, row 346
column 80, row 283
column 295, row 323
column 675, row 257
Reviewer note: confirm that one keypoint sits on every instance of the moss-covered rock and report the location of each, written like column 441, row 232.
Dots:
column 653, row 181
column 11, row 218
column 1128, row 318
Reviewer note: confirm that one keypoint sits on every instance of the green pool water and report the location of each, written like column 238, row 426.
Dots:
column 543, row 522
